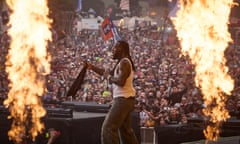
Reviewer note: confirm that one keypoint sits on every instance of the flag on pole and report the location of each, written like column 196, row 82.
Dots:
column 106, row 29
column 124, row 5
column 79, row 5
column 109, row 30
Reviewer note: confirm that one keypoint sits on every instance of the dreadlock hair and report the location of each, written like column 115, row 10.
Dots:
column 126, row 50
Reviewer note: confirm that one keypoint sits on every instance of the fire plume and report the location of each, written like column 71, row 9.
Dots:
column 29, row 29
column 203, row 33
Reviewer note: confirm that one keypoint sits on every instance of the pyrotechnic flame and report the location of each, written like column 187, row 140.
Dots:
column 27, row 59
column 203, row 33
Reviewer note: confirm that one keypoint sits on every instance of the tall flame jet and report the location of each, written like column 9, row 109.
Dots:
column 203, row 33
column 27, row 63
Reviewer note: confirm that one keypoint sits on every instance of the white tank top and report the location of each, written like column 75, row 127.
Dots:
column 127, row 90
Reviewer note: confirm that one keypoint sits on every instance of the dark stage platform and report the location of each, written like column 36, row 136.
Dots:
column 76, row 127
column 80, row 123
column 193, row 132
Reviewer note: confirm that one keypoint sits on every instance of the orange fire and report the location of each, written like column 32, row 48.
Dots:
column 203, row 33
column 27, row 62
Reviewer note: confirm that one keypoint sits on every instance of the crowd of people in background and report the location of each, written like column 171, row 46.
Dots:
column 164, row 79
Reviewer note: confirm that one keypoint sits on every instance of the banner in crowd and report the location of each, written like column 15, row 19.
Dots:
column 124, row 5
column 88, row 24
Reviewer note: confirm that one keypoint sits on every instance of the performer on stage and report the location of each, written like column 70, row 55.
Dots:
column 117, row 124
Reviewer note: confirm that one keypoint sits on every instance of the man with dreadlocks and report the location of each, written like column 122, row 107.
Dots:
column 117, row 122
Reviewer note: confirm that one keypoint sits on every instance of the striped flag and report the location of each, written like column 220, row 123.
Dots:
column 106, row 29
column 124, row 5
column 116, row 36
column 109, row 30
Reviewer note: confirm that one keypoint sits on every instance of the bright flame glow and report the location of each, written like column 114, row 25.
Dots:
column 27, row 59
column 203, row 33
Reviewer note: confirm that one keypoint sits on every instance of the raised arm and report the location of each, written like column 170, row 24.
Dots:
column 97, row 70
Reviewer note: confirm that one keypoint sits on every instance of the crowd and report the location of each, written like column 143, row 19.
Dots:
column 164, row 80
